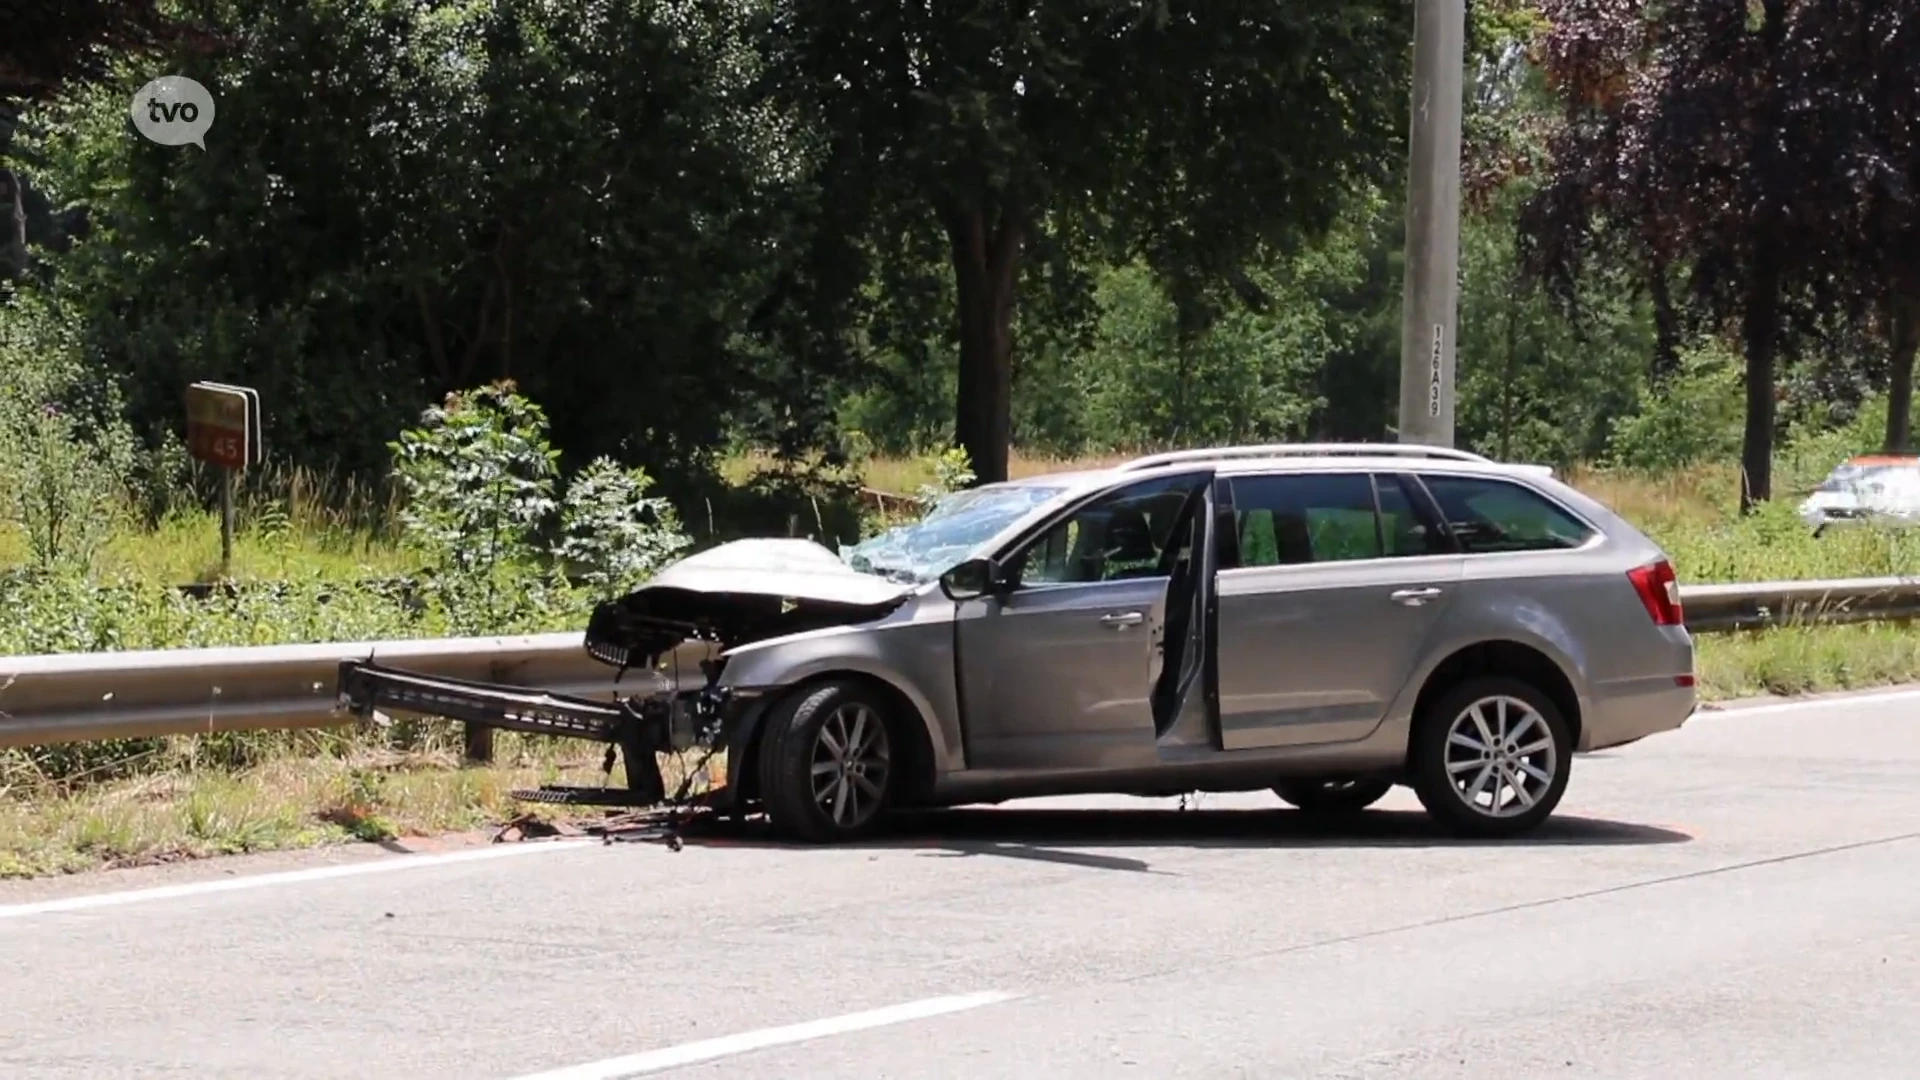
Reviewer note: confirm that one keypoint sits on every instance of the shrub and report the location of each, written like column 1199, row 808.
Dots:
column 1695, row 414
column 478, row 478
column 611, row 532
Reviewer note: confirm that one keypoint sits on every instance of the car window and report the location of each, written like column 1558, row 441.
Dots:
column 1404, row 528
column 1122, row 534
column 1305, row 517
column 1488, row 515
column 1892, row 485
column 1874, row 480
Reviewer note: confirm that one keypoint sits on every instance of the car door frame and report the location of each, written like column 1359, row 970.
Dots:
column 1289, row 734
column 1008, row 553
column 1201, row 514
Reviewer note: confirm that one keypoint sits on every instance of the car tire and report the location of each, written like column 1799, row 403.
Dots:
column 843, row 728
column 1451, row 775
column 1332, row 797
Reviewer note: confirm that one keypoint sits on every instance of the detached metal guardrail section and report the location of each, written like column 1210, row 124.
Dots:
column 77, row 697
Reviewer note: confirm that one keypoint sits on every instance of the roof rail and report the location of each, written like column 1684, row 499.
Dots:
column 1222, row 453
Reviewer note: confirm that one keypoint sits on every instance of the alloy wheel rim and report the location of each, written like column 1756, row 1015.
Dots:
column 851, row 765
column 1500, row 756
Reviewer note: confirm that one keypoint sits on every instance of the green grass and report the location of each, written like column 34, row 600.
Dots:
column 185, row 549
column 86, row 806
column 1806, row 659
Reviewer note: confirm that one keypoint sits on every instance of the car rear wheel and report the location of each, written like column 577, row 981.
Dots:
column 1491, row 757
column 1332, row 797
column 826, row 764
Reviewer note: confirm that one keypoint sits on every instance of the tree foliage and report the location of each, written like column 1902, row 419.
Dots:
column 1189, row 135
column 406, row 199
column 1766, row 148
column 52, row 44
column 686, row 227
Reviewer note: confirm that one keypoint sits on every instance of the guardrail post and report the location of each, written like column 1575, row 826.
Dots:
column 479, row 737
column 479, row 750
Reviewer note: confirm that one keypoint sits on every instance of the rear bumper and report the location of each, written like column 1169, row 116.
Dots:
column 1629, row 710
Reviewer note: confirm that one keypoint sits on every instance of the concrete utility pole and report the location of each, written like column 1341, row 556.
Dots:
column 1429, row 306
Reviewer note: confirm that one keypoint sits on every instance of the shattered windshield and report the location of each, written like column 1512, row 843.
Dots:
column 958, row 523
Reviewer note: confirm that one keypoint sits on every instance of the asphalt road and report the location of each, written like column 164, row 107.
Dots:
column 1737, row 899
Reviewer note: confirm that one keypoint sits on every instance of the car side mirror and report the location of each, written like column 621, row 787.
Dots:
column 971, row 580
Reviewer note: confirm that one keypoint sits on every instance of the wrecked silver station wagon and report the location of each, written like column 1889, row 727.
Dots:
column 1322, row 621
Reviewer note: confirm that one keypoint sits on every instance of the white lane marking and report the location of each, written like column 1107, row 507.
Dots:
column 1831, row 701
column 728, row 1045
column 286, row 877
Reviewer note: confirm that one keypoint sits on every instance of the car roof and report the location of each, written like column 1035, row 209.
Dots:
column 1291, row 463
column 1882, row 459
column 1072, row 485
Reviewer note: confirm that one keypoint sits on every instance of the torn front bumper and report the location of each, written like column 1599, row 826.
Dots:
column 640, row 726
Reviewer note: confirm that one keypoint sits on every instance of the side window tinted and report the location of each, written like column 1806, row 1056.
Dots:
column 1305, row 517
column 1493, row 515
column 1122, row 534
column 1406, row 529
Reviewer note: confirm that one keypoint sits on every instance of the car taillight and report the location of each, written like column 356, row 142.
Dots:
column 1660, row 591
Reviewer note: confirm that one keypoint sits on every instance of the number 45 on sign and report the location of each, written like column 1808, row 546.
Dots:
column 223, row 425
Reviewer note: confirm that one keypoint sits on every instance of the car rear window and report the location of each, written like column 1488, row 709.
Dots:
column 1305, row 517
column 1488, row 515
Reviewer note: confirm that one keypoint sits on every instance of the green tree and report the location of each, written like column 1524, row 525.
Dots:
column 1014, row 136
column 1862, row 86
column 404, row 199
column 51, row 46
column 1756, row 146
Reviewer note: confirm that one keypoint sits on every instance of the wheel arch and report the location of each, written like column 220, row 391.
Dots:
column 911, row 727
column 1512, row 659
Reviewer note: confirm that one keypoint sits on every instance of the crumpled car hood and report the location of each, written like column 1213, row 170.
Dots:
column 735, row 593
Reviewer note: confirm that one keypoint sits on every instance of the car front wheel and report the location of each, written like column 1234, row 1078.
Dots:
column 1491, row 757
column 826, row 763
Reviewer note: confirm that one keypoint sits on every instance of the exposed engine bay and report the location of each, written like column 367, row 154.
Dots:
column 688, row 616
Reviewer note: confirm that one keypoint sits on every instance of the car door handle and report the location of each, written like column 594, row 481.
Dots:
column 1120, row 620
column 1413, row 597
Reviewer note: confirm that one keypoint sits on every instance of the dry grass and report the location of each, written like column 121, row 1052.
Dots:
column 1708, row 495
column 288, row 801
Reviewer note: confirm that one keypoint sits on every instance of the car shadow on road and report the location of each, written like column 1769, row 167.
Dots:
column 1088, row 837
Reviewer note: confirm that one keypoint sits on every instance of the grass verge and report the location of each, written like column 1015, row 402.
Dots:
column 287, row 801
column 1806, row 660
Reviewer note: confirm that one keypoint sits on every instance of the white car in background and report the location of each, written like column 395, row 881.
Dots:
column 1867, row 489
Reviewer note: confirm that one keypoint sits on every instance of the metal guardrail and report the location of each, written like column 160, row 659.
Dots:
column 1749, row 606
column 76, row 697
